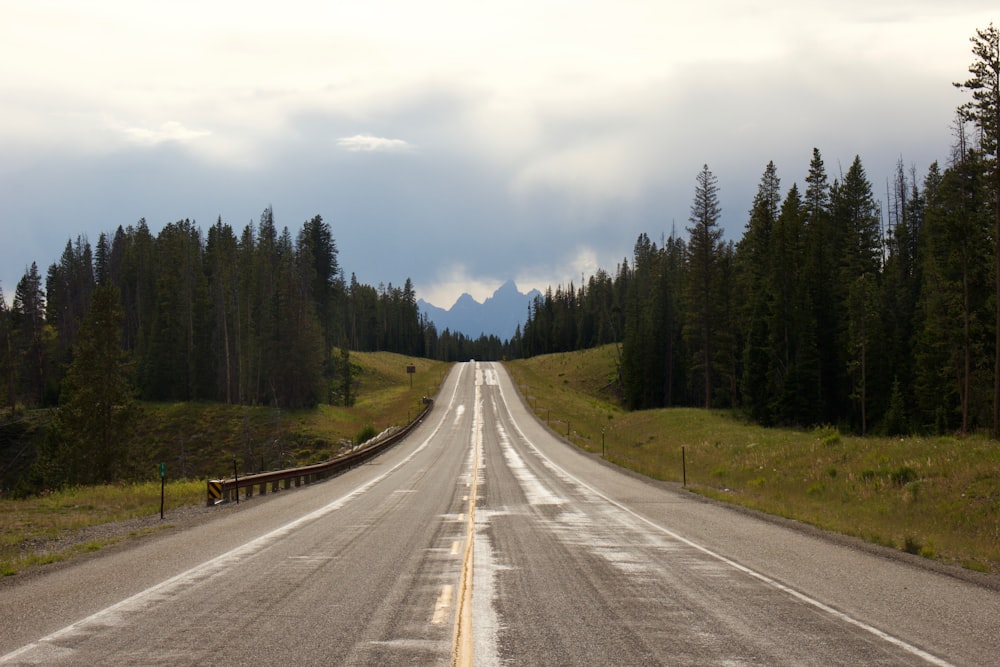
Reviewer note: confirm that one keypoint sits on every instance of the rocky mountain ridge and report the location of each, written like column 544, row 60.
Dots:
column 499, row 315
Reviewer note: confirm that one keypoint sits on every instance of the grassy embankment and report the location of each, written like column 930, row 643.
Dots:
column 199, row 441
column 934, row 496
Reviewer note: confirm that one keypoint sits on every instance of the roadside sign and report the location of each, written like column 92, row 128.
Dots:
column 163, row 471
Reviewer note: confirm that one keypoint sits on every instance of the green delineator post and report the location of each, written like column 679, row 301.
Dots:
column 163, row 483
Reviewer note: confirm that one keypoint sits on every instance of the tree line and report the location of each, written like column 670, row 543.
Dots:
column 828, row 309
column 258, row 318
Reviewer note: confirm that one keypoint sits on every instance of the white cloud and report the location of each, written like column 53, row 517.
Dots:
column 170, row 130
column 576, row 267
column 445, row 288
column 366, row 143
column 590, row 172
column 449, row 284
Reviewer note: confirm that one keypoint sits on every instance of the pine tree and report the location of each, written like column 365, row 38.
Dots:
column 68, row 288
column 221, row 256
column 7, row 366
column 642, row 365
column 703, row 252
column 316, row 240
column 177, row 367
column 102, row 260
column 857, row 226
column 792, row 327
column 32, row 340
column 984, row 111
column 669, row 330
column 956, row 293
column 295, row 377
column 818, row 271
column 901, row 290
column 97, row 405
column 754, row 263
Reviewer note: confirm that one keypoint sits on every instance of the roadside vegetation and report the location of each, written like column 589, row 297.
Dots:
column 199, row 441
column 938, row 497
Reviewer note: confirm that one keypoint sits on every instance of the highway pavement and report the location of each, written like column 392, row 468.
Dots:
column 484, row 539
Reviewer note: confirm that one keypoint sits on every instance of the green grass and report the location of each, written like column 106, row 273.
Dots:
column 201, row 439
column 938, row 497
column 30, row 527
column 198, row 441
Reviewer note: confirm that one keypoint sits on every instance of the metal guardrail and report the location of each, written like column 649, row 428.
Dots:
column 220, row 490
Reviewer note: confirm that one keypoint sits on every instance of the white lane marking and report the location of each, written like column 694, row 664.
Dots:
column 536, row 492
column 443, row 605
column 485, row 622
column 587, row 531
column 210, row 568
column 895, row 641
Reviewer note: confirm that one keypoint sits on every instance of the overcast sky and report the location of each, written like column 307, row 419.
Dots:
column 461, row 143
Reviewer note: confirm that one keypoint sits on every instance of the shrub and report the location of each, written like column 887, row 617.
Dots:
column 828, row 436
column 911, row 545
column 366, row 433
column 902, row 476
column 912, row 490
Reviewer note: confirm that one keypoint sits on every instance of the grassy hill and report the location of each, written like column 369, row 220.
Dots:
column 201, row 439
column 934, row 496
column 197, row 441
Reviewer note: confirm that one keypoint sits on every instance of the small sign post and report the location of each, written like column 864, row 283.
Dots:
column 163, row 483
column 684, row 466
column 410, row 370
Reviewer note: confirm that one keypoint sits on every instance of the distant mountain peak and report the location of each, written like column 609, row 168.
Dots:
column 509, row 288
column 499, row 315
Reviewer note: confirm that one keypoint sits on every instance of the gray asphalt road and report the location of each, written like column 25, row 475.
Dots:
column 568, row 561
column 587, row 565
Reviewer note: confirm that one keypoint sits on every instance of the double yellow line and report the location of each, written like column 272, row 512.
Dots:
column 461, row 652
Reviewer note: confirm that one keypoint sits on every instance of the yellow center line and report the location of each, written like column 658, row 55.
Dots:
column 461, row 654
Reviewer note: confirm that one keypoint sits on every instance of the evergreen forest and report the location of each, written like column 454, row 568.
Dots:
column 834, row 307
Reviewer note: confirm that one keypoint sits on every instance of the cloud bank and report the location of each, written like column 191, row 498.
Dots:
column 540, row 138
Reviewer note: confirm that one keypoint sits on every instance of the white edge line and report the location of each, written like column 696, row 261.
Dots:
column 214, row 565
column 932, row 659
